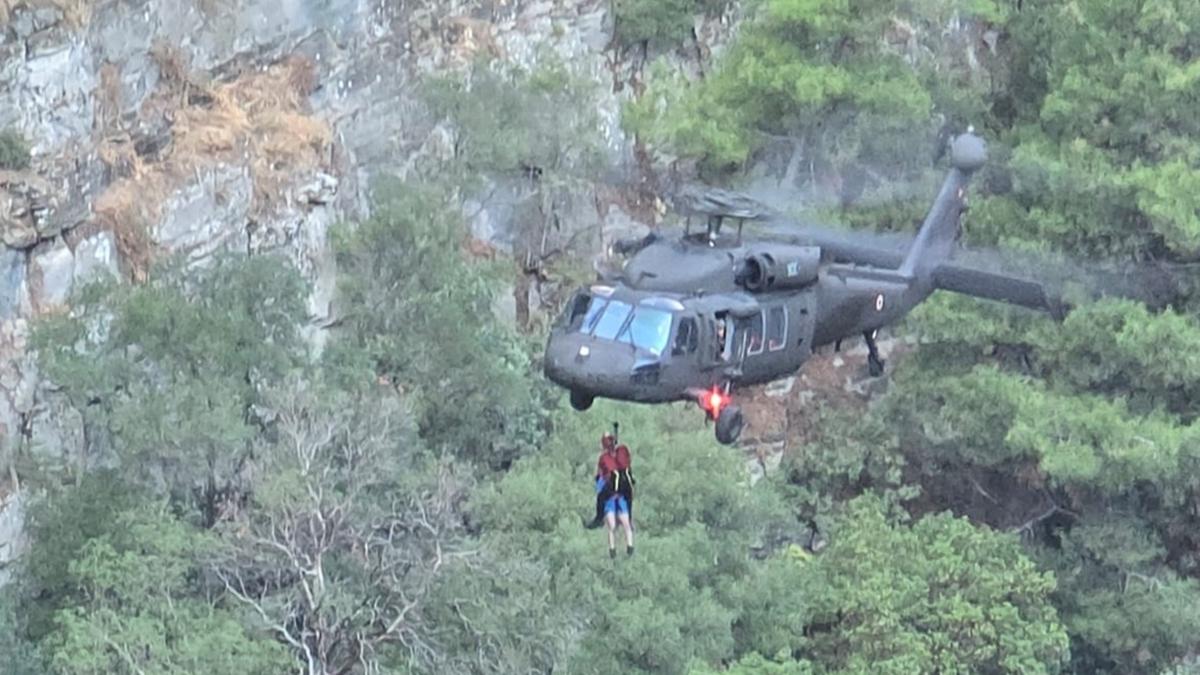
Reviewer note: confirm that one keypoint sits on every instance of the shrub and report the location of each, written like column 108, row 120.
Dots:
column 14, row 150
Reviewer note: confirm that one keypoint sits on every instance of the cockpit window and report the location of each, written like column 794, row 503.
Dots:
column 650, row 329
column 593, row 313
column 610, row 321
column 572, row 317
column 581, row 313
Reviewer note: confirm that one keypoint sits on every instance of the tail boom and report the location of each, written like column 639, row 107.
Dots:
column 938, row 234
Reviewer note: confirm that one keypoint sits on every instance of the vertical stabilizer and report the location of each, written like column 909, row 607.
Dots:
column 937, row 235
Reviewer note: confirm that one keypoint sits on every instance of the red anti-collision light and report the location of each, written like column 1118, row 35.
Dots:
column 713, row 401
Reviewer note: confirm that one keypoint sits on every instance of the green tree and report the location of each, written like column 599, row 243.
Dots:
column 940, row 596
column 755, row 664
column 1082, row 455
column 534, row 123
column 141, row 612
column 526, row 144
column 1100, row 95
column 1126, row 609
column 1050, row 428
column 167, row 374
column 20, row 655
column 660, row 23
column 697, row 520
column 352, row 550
column 848, row 453
column 419, row 315
column 60, row 524
column 824, row 74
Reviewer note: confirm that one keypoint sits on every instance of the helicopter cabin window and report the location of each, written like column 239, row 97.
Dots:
column 754, row 334
column 777, row 328
column 725, row 337
column 686, row 337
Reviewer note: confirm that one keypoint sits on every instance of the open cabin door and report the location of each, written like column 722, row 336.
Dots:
column 726, row 340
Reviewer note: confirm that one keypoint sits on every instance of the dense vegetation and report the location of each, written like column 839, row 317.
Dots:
column 408, row 500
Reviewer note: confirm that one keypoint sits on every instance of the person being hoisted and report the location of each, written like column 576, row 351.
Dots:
column 614, row 491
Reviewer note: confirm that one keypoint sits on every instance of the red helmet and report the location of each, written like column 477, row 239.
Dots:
column 607, row 441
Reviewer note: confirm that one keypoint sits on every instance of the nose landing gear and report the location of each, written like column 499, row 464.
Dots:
column 581, row 400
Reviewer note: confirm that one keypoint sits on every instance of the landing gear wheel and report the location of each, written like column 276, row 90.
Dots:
column 581, row 400
column 729, row 425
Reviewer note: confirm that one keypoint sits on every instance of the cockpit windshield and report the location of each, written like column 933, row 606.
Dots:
column 645, row 327
column 611, row 320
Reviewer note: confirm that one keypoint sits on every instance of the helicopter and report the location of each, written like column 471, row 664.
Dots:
column 698, row 317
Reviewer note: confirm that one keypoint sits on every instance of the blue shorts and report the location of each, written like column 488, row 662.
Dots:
column 616, row 504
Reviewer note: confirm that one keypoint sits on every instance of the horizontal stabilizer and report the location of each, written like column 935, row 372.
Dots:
column 991, row 286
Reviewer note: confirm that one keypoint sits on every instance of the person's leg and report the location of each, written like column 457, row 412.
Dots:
column 610, row 518
column 598, row 520
column 623, row 507
column 627, row 493
column 603, row 493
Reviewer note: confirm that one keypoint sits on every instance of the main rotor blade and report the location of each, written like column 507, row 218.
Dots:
column 1033, row 279
column 865, row 247
column 878, row 249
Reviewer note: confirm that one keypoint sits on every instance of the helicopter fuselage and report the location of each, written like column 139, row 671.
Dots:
column 694, row 317
column 753, row 314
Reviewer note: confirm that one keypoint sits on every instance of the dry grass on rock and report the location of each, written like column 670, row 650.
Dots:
column 260, row 120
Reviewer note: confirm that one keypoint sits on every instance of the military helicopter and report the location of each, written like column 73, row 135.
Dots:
column 698, row 317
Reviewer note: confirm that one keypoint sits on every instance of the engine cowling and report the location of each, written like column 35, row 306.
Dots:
column 779, row 269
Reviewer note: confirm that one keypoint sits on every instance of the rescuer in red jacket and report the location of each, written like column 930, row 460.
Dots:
column 614, row 492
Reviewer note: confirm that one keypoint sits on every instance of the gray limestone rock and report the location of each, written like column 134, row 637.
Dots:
column 207, row 215
column 66, row 202
column 55, row 268
column 95, row 256
column 13, row 540
column 54, row 91
column 619, row 225
column 18, row 381
column 57, row 429
column 320, row 190
column 25, row 202
column 46, row 17
column 21, row 23
column 12, row 282
column 16, row 233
